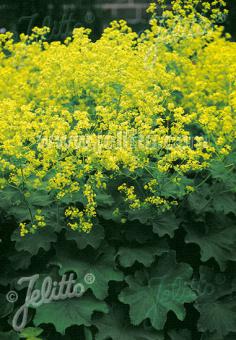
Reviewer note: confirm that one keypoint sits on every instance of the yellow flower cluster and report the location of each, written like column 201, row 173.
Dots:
column 78, row 220
column 23, row 229
column 162, row 88
column 130, row 196
column 38, row 221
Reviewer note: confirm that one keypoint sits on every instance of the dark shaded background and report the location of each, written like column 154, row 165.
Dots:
column 63, row 15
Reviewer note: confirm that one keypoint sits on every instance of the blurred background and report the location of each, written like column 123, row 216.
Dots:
column 63, row 15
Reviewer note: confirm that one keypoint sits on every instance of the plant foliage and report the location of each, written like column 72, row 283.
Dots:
column 118, row 160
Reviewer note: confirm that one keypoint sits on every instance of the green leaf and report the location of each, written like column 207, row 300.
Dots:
column 33, row 242
column 219, row 316
column 145, row 255
column 115, row 326
column 69, row 312
column 74, row 197
column 40, row 198
column 218, row 242
column 223, row 172
column 82, row 239
column 224, row 202
column 212, row 198
column 166, row 224
column 55, row 218
column 19, row 212
column 215, row 303
column 108, row 214
column 103, row 198
column 142, row 215
column 166, row 290
column 200, row 200
column 102, row 267
column 17, row 204
column 173, row 186
column 138, row 232
column 9, row 197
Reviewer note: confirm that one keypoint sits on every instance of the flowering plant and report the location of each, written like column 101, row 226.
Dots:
column 142, row 111
column 123, row 150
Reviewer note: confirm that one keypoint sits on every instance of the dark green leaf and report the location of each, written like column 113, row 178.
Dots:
column 82, row 239
column 69, row 312
column 102, row 267
column 167, row 289
column 145, row 255
column 33, row 242
column 216, row 304
column 166, row 224
column 115, row 326
column 218, row 242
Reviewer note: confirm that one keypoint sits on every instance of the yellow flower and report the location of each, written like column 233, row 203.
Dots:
column 152, row 8
column 23, row 229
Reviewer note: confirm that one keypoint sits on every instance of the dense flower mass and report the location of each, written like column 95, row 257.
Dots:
column 140, row 111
